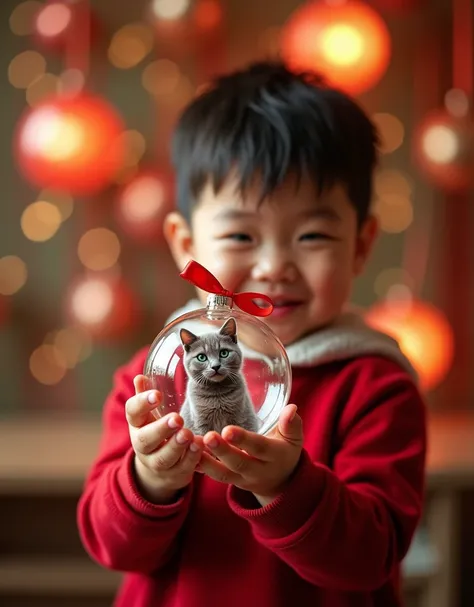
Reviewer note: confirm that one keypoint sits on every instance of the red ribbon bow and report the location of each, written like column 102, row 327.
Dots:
column 197, row 274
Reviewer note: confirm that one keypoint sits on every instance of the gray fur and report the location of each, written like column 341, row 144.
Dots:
column 215, row 398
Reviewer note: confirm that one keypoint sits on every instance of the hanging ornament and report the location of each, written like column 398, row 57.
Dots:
column 207, row 14
column 104, row 307
column 219, row 365
column 70, row 143
column 143, row 203
column 348, row 42
column 56, row 21
column 443, row 146
column 423, row 334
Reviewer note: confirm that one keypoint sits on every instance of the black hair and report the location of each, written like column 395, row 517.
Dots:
column 271, row 121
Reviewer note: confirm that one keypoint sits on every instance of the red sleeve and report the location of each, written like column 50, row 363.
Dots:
column 118, row 527
column 348, row 527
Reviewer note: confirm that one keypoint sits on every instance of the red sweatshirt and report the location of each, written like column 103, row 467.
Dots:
column 334, row 538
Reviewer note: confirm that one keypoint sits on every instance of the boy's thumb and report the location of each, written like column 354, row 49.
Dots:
column 290, row 425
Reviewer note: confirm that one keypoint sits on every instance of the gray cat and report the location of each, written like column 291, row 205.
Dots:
column 216, row 393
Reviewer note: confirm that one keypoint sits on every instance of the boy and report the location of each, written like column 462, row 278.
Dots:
column 274, row 175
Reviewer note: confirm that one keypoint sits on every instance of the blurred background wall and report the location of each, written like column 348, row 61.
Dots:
column 86, row 279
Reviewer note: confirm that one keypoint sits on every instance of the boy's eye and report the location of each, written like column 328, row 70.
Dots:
column 315, row 236
column 238, row 237
column 224, row 353
column 201, row 358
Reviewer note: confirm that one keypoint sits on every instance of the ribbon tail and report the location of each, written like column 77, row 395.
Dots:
column 245, row 301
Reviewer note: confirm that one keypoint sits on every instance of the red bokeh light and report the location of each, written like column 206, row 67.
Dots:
column 423, row 334
column 347, row 42
column 105, row 307
column 207, row 14
column 443, row 148
column 65, row 26
column 71, row 144
column 144, row 202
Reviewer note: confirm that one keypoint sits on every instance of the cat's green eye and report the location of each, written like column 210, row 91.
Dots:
column 201, row 358
column 224, row 353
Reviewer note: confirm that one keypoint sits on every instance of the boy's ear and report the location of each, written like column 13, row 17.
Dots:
column 366, row 237
column 178, row 236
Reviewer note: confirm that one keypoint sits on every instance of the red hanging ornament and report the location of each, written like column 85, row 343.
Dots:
column 347, row 42
column 57, row 21
column 70, row 144
column 443, row 148
column 423, row 334
column 143, row 203
column 200, row 277
column 106, row 308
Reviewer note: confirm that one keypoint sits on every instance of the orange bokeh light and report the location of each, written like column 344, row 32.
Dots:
column 71, row 144
column 347, row 42
column 423, row 334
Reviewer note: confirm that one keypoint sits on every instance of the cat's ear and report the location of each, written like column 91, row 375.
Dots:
column 229, row 329
column 187, row 338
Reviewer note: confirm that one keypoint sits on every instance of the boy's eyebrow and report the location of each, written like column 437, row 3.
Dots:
column 321, row 212
column 234, row 214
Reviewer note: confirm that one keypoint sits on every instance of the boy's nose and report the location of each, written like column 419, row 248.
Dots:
column 274, row 267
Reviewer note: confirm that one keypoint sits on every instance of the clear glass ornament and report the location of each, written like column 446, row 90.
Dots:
column 264, row 364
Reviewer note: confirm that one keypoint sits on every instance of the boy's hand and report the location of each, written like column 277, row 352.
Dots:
column 254, row 462
column 166, row 454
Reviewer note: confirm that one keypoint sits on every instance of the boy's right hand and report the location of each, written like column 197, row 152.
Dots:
column 166, row 454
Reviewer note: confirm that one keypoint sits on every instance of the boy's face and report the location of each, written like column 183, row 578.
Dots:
column 301, row 250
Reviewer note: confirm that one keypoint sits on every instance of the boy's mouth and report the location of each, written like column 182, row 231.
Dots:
column 284, row 307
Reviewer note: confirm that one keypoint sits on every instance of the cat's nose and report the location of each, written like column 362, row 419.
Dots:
column 216, row 368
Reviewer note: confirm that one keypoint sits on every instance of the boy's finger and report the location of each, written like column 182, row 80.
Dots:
column 140, row 384
column 172, row 451
column 191, row 458
column 138, row 408
column 234, row 459
column 217, row 470
column 256, row 445
column 148, row 438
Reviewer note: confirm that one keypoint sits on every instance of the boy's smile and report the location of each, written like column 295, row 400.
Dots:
column 300, row 249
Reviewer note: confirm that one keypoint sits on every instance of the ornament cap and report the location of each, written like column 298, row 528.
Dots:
column 218, row 302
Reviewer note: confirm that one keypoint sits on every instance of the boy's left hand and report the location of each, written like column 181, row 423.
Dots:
column 256, row 463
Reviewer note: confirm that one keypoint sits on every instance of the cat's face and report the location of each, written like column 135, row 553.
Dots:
column 212, row 357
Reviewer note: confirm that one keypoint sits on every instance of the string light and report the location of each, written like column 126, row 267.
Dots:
column 40, row 221
column 13, row 274
column 161, row 77
column 45, row 86
column 61, row 200
column 23, row 17
column 47, row 365
column 392, row 132
column 99, row 249
column 130, row 45
column 73, row 344
column 25, row 68
column 389, row 181
column 395, row 213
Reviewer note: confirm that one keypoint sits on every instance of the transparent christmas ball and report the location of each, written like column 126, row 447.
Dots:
column 258, row 358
